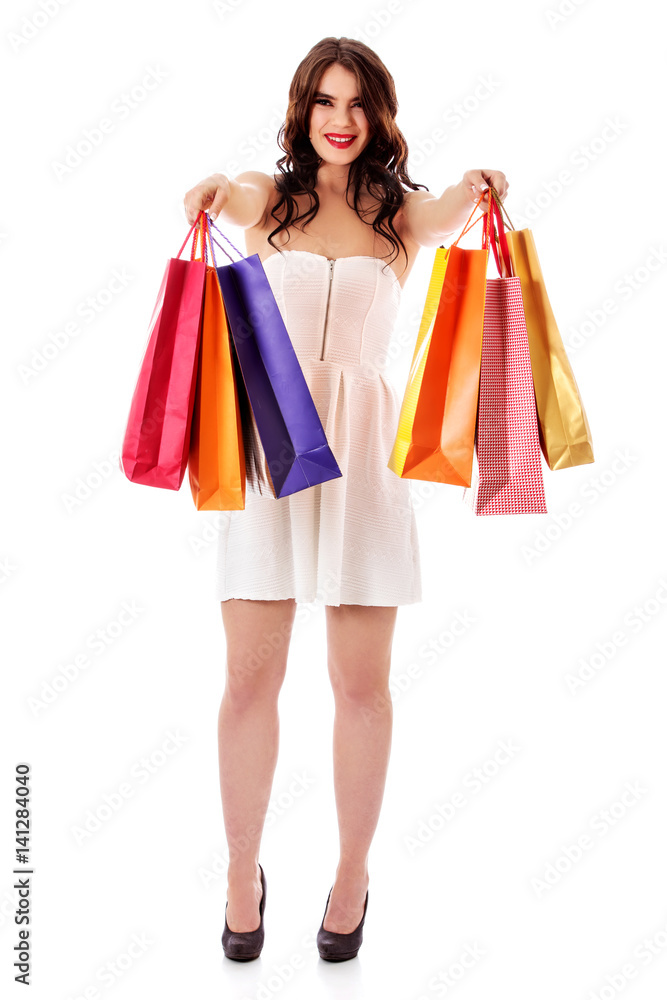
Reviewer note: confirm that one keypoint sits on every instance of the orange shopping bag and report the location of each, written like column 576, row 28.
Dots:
column 436, row 433
column 216, row 461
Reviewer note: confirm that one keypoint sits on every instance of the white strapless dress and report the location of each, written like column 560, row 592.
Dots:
column 352, row 540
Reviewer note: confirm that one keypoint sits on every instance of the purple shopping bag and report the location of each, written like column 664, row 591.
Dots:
column 289, row 427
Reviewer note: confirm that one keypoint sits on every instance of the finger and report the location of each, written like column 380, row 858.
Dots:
column 194, row 204
column 219, row 202
column 474, row 183
column 198, row 200
column 498, row 182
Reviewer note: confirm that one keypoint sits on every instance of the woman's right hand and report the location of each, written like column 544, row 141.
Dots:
column 210, row 195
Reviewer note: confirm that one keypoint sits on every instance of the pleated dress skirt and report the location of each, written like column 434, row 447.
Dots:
column 352, row 540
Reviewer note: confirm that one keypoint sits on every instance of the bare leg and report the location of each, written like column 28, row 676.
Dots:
column 258, row 635
column 359, row 658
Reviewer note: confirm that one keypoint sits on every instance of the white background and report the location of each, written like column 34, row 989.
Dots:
column 544, row 593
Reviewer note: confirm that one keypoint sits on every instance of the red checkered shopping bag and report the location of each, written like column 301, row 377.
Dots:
column 508, row 475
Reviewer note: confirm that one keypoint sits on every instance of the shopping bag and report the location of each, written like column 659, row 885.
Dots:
column 415, row 378
column 565, row 435
column 155, row 445
column 216, row 460
column 296, row 452
column 436, row 432
column 508, row 477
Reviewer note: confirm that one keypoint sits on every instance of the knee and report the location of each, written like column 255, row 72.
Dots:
column 360, row 687
column 251, row 679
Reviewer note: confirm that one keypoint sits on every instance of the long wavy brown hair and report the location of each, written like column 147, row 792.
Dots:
column 381, row 167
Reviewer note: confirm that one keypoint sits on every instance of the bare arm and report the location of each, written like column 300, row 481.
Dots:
column 240, row 201
column 430, row 219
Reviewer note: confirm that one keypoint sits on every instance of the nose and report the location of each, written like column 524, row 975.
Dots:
column 341, row 117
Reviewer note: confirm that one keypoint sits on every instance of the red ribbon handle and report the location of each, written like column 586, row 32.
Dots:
column 496, row 236
column 202, row 232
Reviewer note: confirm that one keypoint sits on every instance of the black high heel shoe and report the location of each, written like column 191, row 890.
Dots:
column 243, row 946
column 336, row 947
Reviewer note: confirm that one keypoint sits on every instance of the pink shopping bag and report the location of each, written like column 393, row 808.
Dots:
column 508, row 478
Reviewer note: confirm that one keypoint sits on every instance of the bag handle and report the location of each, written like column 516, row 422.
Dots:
column 499, row 239
column 500, row 205
column 203, row 226
column 218, row 230
column 198, row 234
column 494, row 232
column 468, row 226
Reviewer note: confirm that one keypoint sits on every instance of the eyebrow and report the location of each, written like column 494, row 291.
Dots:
column 318, row 93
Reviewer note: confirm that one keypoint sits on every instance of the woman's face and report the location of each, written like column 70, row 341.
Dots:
column 337, row 112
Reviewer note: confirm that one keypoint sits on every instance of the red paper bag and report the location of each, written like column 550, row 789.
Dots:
column 157, row 436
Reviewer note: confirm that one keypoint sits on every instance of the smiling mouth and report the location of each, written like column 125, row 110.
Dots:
column 342, row 142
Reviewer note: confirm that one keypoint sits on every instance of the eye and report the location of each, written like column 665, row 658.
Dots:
column 325, row 100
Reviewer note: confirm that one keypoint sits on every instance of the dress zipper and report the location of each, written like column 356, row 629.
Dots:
column 326, row 315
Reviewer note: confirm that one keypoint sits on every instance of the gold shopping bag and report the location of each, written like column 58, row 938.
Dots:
column 565, row 435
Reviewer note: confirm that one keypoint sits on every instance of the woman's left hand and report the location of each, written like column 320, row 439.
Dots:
column 476, row 181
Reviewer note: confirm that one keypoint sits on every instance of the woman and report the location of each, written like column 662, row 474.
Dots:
column 338, row 200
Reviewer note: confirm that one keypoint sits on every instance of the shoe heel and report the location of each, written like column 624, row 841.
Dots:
column 334, row 947
column 244, row 946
